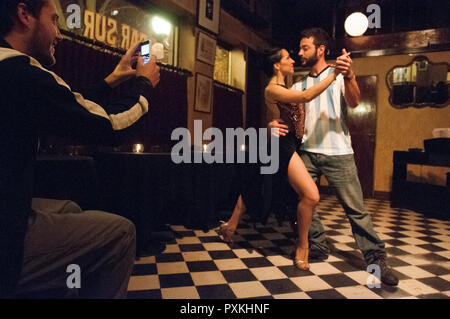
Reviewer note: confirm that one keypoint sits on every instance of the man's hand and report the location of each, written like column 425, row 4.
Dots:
column 344, row 64
column 352, row 93
column 124, row 70
column 149, row 70
column 280, row 129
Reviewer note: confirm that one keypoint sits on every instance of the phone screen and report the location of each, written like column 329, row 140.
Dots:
column 145, row 51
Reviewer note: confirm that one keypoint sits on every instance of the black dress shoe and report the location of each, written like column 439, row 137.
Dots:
column 387, row 275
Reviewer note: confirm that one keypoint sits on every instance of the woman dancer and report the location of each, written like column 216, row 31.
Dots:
column 290, row 106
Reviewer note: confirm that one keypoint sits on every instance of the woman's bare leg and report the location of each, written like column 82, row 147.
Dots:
column 238, row 213
column 304, row 186
column 228, row 229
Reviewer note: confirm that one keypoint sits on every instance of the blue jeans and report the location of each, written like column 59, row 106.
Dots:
column 342, row 176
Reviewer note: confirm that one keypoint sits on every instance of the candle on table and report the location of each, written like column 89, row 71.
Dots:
column 138, row 148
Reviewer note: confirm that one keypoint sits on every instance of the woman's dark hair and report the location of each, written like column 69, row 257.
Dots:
column 268, row 58
column 8, row 12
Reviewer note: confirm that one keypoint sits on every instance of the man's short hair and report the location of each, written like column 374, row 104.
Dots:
column 320, row 36
column 8, row 12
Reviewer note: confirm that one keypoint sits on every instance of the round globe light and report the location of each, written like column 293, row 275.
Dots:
column 356, row 24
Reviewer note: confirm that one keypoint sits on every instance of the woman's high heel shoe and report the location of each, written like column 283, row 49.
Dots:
column 226, row 232
column 301, row 264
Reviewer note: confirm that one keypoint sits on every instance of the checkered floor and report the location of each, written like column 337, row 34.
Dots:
column 198, row 265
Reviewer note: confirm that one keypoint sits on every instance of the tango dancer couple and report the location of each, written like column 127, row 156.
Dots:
column 314, row 140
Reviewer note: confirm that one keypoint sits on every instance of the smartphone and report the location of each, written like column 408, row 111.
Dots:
column 145, row 50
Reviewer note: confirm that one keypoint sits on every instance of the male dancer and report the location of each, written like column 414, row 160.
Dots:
column 327, row 150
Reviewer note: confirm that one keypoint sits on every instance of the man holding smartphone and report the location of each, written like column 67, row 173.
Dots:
column 37, row 246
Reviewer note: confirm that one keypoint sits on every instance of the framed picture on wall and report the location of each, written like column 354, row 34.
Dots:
column 209, row 14
column 203, row 93
column 206, row 48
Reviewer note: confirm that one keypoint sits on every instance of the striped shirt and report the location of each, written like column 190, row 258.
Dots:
column 325, row 128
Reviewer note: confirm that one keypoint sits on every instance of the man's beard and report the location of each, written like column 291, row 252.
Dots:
column 310, row 61
column 42, row 50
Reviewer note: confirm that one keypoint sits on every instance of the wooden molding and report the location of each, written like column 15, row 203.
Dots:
column 382, row 195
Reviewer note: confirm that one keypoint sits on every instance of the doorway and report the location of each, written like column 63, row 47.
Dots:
column 362, row 122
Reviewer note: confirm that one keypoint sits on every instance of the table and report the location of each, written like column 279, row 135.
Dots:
column 152, row 191
column 426, row 198
column 67, row 177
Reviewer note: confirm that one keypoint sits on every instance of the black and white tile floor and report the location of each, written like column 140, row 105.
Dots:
column 199, row 265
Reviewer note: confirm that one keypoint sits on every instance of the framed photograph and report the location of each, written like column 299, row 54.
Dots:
column 206, row 48
column 209, row 14
column 203, row 93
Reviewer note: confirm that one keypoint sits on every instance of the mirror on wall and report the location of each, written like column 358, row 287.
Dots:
column 418, row 84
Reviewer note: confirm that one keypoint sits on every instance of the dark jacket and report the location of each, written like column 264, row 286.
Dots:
column 34, row 100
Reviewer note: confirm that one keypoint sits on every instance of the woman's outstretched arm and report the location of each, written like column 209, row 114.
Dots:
column 281, row 94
